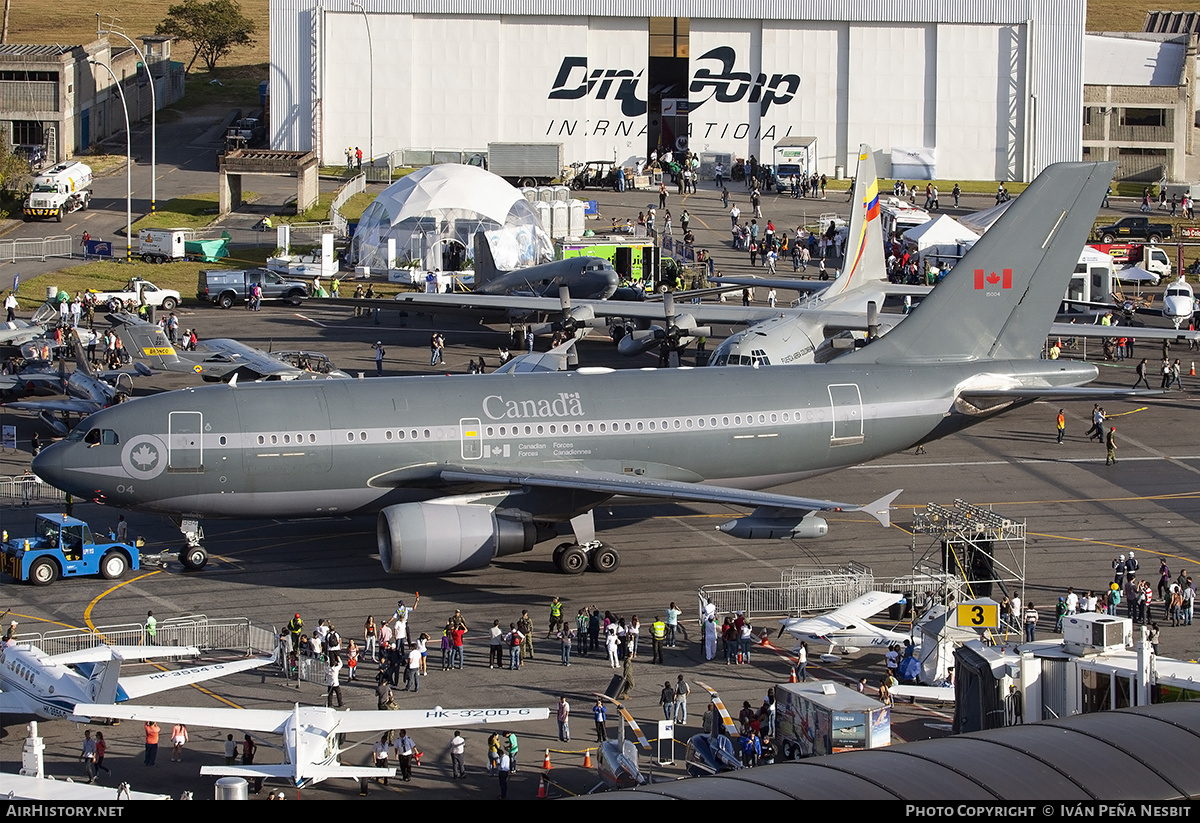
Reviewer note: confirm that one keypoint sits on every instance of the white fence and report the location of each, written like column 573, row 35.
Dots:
column 236, row 635
column 36, row 248
column 16, row 491
column 799, row 590
column 351, row 187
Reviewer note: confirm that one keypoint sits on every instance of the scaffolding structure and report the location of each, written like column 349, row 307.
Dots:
column 976, row 545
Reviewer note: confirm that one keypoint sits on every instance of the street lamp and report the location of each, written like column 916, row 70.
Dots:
column 128, row 164
column 371, row 86
column 153, row 114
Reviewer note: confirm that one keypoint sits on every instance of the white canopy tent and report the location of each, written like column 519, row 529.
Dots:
column 942, row 240
column 434, row 213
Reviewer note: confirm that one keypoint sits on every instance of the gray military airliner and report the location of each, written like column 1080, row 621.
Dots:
column 463, row 469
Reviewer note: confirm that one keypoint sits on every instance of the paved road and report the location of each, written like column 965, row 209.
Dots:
column 1079, row 514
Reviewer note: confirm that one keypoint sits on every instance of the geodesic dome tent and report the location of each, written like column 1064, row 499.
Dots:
column 434, row 213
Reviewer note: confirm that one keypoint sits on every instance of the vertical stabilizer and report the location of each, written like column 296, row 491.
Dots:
column 485, row 264
column 146, row 341
column 102, row 685
column 999, row 301
column 864, row 258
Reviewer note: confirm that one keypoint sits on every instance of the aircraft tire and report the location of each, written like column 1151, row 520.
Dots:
column 573, row 561
column 193, row 558
column 558, row 553
column 113, row 565
column 605, row 560
column 43, row 572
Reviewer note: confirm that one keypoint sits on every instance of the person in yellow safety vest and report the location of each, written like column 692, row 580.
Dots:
column 556, row 620
column 658, row 634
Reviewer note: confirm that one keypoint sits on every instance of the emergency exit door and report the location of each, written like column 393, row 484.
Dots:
column 184, row 446
column 472, row 438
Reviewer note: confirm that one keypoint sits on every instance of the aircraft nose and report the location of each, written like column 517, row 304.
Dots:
column 47, row 465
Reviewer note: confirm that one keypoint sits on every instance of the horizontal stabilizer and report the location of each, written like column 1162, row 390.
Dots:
column 100, row 654
column 145, row 684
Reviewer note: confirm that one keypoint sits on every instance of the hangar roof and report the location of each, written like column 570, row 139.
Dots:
column 1113, row 60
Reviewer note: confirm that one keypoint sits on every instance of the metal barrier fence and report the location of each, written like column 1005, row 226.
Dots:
column 36, row 248
column 351, row 187
column 31, row 490
column 309, row 234
column 235, row 635
column 799, row 589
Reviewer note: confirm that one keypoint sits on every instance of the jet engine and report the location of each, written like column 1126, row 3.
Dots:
column 432, row 538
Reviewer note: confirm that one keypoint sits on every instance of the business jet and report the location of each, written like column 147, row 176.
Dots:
column 461, row 470
column 49, row 686
column 312, row 735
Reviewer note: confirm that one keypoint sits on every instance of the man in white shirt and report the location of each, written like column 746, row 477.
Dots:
column 457, row 746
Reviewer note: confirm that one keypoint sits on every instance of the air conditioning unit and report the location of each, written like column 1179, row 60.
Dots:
column 1096, row 633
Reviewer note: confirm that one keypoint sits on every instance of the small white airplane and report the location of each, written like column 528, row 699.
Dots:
column 845, row 629
column 33, row 682
column 311, row 734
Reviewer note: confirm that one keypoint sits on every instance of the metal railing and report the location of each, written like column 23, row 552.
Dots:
column 237, row 635
column 799, row 590
column 351, row 187
column 16, row 491
column 310, row 233
column 36, row 248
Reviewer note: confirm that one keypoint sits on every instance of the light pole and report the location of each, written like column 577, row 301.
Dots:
column 371, row 83
column 128, row 164
column 153, row 114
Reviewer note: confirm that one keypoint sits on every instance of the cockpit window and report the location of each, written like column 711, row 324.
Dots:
column 93, row 438
column 101, row 437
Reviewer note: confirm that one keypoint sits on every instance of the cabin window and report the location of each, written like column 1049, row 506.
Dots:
column 388, row 434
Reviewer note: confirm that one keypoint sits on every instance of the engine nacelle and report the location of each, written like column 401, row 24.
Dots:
column 776, row 528
column 432, row 538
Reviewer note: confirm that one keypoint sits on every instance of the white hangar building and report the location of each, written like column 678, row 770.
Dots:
column 972, row 89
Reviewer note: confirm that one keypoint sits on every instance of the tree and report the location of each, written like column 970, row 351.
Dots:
column 214, row 28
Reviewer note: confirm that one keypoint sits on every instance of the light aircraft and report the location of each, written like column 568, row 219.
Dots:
column 1179, row 305
column 219, row 359
column 312, row 735
column 846, row 627
column 617, row 758
column 463, row 469
column 33, row 682
column 86, row 389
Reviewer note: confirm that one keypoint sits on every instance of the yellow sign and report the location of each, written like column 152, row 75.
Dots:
column 165, row 351
column 980, row 615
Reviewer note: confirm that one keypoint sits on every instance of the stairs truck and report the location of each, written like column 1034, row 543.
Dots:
column 523, row 164
column 59, row 191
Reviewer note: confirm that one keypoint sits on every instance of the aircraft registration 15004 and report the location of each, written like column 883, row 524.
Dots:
column 465, row 469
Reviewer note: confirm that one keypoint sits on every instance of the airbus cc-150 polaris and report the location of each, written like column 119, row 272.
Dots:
column 461, row 470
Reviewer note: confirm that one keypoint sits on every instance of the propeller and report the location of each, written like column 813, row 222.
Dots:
column 673, row 337
column 573, row 321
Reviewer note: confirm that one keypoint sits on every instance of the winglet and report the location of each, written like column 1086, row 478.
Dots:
column 881, row 509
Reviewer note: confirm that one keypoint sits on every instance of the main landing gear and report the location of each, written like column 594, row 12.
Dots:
column 193, row 556
column 573, row 558
column 586, row 552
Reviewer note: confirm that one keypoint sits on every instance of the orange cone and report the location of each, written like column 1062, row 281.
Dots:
column 1193, row 372
column 792, row 677
column 542, row 788
column 587, row 758
column 546, row 763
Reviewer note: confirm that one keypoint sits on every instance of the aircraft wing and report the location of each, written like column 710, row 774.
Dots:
column 378, row 721
column 850, row 617
column 144, row 684
column 633, row 486
column 221, row 358
column 1141, row 332
column 102, row 654
column 253, row 720
column 942, row 694
column 794, row 283
column 60, row 406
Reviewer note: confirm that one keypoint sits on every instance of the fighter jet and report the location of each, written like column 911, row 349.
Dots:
column 219, row 359
column 461, row 470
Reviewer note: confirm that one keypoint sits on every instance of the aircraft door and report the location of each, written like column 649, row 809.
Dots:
column 472, row 438
column 846, row 412
column 184, row 450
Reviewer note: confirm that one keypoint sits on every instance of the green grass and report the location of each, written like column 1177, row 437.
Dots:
column 194, row 211
column 234, row 86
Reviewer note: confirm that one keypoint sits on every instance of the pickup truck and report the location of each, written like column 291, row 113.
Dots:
column 1134, row 228
column 137, row 289
column 63, row 546
column 228, row 286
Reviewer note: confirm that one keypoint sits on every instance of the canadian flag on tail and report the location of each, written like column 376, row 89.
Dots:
column 984, row 280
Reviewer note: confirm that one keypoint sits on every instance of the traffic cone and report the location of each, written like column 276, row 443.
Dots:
column 546, row 763
column 792, row 677
column 1193, row 371
column 587, row 758
column 542, row 788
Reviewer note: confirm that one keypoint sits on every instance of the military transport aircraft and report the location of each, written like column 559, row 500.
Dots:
column 464, row 469
column 585, row 277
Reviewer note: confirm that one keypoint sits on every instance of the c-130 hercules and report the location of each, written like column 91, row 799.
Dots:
column 461, row 470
